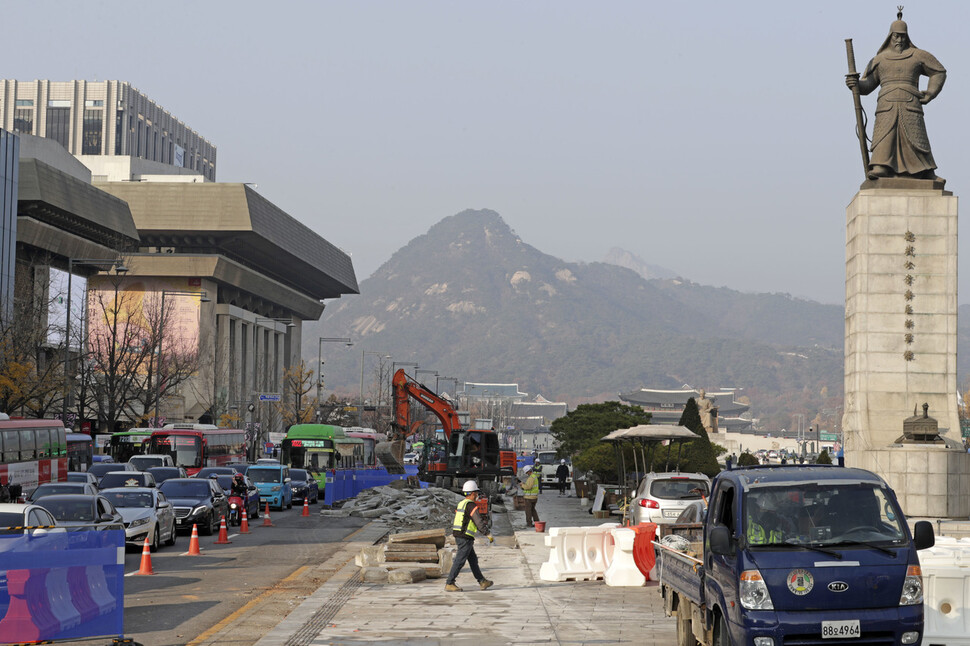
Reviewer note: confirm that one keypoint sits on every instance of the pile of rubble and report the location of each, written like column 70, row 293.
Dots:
column 402, row 507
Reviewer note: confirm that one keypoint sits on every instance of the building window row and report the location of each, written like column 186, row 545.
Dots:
column 91, row 138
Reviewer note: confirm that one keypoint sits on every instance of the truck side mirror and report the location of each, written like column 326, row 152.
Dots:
column 923, row 536
column 721, row 540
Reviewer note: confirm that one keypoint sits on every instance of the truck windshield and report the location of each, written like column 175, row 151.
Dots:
column 821, row 515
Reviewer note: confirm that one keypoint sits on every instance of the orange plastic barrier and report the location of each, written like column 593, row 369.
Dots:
column 643, row 554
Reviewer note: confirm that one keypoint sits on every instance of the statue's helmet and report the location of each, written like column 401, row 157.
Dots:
column 898, row 27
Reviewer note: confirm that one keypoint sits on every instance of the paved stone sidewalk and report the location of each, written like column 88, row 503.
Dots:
column 519, row 609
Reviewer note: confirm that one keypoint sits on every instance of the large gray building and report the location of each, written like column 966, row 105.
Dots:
column 9, row 155
column 115, row 130
column 108, row 173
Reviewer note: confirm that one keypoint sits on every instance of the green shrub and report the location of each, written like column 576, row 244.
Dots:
column 823, row 457
column 747, row 459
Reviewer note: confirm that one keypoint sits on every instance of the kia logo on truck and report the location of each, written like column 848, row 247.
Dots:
column 838, row 586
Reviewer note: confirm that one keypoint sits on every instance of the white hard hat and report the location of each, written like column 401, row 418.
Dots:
column 562, row 462
column 527, row 468
column 469, row 486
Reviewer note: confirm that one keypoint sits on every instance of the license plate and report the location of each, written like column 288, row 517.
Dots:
column 672, row 513
column 841, row 629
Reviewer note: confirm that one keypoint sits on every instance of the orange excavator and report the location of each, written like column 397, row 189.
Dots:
column 469, row 453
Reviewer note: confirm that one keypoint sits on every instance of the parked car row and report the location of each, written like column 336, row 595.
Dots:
column 151, row 498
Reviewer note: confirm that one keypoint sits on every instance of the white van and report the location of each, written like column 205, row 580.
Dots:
column 142, row 462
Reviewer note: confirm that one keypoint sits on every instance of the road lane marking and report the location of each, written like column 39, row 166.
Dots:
column 252, row 602
column 349, row 536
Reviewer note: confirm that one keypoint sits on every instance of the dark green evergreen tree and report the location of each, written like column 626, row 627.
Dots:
column 698, row 455
column 580, row 433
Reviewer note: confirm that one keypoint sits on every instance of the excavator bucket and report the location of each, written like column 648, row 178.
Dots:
column 391, row 455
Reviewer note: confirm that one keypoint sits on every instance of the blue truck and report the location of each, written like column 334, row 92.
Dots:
column 805, row 555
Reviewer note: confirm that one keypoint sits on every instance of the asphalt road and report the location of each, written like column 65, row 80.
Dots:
column 266, row 572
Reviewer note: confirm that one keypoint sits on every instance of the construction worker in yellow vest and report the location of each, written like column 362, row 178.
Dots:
column 464, row 528
column 760, row 518
column 530, row 492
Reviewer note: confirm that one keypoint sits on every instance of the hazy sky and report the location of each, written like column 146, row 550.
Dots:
column 713, row 138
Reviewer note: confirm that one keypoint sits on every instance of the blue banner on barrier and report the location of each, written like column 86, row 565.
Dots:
column 61, row 585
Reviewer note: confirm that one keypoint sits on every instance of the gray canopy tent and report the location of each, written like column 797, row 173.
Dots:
column 642, row 435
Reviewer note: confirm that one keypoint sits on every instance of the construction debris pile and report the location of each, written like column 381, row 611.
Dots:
column 407, row 557
column 402, row 507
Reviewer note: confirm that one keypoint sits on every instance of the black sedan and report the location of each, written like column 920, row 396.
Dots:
column 305, row 487
column 83, row 511
column 197, row 501
column 208, row 472
column 161, row 474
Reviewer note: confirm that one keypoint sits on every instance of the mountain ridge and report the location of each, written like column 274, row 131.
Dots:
column 470, row 299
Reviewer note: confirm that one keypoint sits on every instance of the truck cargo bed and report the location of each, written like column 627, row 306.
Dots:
column 681, row 573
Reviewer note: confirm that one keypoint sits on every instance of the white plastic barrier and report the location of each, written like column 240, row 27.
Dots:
column 946, row 592
column 578, row 553
column 623, row 570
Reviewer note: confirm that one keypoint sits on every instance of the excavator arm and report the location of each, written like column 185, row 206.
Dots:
column 405, row 388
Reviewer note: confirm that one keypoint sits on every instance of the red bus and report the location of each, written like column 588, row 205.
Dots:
column 32, row 452
column 194, row 446
column 371, row 439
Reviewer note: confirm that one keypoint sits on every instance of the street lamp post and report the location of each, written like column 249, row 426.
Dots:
column 437, row 391
column 97, row 262
column 161, row 338
column 360, row 407
column 320, row 343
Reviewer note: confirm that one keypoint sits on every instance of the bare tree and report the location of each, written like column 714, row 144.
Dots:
column 167, row 363
column 120, row 357
column 31, row 372
column 297, row 406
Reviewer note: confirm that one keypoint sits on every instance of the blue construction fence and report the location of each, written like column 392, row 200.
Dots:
column 58, row 585
column 344, row 484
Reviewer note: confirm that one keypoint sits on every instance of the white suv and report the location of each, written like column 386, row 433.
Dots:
column 661, row 497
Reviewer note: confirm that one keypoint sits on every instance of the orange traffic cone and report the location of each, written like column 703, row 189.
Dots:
column 266, row 521
column 223, row 533
column 306, row 506
column 194, row 542
column 244, row 525
column 146, row 559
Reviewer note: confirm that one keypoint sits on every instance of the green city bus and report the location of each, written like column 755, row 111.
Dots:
column 125, row 444
column 319, row 448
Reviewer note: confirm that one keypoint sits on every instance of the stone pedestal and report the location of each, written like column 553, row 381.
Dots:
column 901, row 334
column 929, row 482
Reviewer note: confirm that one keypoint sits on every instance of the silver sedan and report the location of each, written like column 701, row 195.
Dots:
column 146, row 513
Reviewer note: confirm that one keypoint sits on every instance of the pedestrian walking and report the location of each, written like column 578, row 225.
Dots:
column 4, row 490
column 530, row 491
column 464, row 528
column 562, row 472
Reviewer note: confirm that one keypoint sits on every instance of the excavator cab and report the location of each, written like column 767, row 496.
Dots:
column 474, row 452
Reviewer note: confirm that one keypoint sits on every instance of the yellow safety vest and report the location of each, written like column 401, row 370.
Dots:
column 756, row 534
column 530, row 488
column 463, row 523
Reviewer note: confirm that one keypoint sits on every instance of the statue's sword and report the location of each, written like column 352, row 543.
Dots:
column 860, row 125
